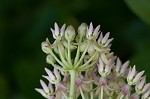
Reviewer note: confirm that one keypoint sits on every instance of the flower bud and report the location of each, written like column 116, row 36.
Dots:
column 70, row 33
column 46, row 46
column 126, row 90
column 82, row 29
column 50, row 59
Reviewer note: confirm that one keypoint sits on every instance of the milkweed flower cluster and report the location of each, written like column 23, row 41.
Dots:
column 85, row 67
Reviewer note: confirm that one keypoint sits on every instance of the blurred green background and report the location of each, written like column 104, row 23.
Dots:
column 24, row 24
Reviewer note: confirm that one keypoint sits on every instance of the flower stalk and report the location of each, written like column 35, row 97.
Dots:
column 72, row 84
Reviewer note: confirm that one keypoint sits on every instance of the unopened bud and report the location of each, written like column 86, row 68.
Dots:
column 46, row 46
column 82, row 29
column 50, row 59
column 70, row 33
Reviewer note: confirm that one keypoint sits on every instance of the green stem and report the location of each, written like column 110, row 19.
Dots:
column 111, row 95
column 64, row 95
column 102, row 92
column 87, row 67
column 89, row 60
column 57, row 59
column 83, row 54
column 78, row 52
column 61, row 56
column 91, row 93
column 82, row 94
column 69, row 54
column 72, row 84
column 122, row 96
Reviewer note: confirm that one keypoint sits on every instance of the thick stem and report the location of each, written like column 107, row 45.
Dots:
column 102, row 92
column 72, row 84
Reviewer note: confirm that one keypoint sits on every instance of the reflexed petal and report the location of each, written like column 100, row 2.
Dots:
column 132, row 73
column 50, row 74
column 100, row 38
column 118, row 65
column 96, row 31
column 57, row 74
column 45, row 87
column 124, row 67
column 41, row 91
column 138, row 76
column 105, row 38
column 62, row 30
column 56, row 29
column 90, row 29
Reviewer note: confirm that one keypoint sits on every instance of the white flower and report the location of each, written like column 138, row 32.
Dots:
column 141, row 86
column 47, row 91
column 53, row 78
column 132, row 77
column 121, row 69
column 104, row 41
column 58, row 33
column 103, row 70
column 91, row 32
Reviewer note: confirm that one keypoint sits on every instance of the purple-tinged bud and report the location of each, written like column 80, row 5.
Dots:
column 78, row 81
column 126, row 90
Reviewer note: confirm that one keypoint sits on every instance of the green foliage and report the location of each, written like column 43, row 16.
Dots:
column 141, row 8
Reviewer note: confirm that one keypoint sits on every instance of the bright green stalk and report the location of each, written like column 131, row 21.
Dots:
column 57, row 59
column 78, row 52
column 69, row 54
column 90, row 59
column 91, row 93
column 82, row 56
column 61, row 56
column 72, row 84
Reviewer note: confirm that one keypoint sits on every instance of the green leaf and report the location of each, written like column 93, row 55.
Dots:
column 141, row 8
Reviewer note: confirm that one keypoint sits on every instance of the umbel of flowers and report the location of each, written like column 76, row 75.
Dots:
column 85, row 68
